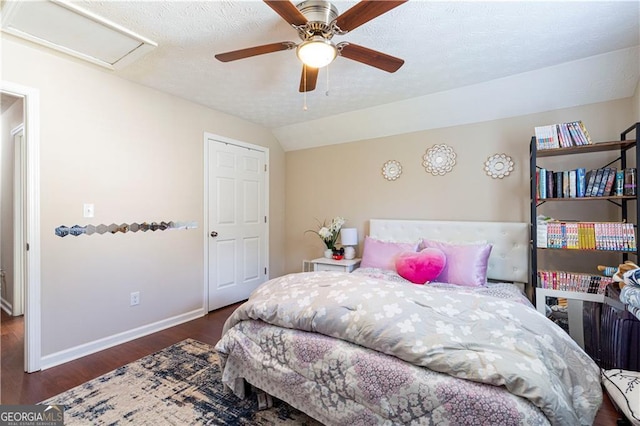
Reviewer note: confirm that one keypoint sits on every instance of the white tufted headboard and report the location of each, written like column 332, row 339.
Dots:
column 509, row 259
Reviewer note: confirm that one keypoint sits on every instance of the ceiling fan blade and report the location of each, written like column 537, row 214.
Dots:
column 364, row 12
column 370, row 57
column 288, row 11
column 308, row 81
column 254, row 51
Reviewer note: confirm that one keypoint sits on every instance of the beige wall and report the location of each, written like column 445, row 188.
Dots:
column 137, row 154
column 636, row 103
column 346, row 179
column 11, row 118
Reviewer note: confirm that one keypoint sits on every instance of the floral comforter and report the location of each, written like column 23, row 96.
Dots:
column 351, row 348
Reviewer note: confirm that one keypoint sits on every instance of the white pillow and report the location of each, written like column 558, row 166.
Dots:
column 623, row 387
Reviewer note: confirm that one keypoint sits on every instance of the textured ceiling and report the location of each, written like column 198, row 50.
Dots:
column 446, row 45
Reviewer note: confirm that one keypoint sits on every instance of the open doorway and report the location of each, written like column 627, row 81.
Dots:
column 12, row 277
column 20, row 218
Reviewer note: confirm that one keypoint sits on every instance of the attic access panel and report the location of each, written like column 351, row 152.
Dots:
column 62, row 26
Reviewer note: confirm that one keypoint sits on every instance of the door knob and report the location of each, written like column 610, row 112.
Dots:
column 214, row 234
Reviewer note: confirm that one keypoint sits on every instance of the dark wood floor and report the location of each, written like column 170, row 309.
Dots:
column 18, row 387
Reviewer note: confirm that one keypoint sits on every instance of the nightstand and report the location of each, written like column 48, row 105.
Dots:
column 324, row 264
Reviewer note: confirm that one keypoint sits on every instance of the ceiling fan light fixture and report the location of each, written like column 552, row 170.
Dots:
column 317, row 52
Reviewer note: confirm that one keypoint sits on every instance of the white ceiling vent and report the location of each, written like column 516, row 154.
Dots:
column 67, row 28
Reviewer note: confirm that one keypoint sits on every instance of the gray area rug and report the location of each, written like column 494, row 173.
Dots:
column 179, row 385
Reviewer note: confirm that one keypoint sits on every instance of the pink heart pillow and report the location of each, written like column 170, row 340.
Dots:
column 421, row 267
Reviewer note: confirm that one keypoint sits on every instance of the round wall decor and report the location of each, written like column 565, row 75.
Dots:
column 391, row 170
column 439, row 160
column 498, row 166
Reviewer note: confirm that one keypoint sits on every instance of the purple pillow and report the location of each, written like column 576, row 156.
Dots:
column 382, row 254
column 466, row 263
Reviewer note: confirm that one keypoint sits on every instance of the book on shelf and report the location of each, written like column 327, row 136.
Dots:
column 591, row 179
column 546, row 137
column 566, row 188
column 557, row 184
column 580, row 181
column 601, row 182
column 594, row 283
column 599, row 192
column 607, row 236
column 566, row 135
column 542, row 183
column 575, row 134
column 596, row 183
column 609, row 184
column 562, row 135
column 586, row 134
column 564, row 184
column 541, row 239
column 550, row 184
column 619, row 189
column 576, row 183
column 630, row 186
column 572, row 184
column 573, row 281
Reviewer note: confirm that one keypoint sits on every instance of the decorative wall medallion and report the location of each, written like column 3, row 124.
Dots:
column 498, row 166
column 391, row 170
column 439, row 160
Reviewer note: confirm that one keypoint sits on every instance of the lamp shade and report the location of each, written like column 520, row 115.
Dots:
column 349, row 236
column 317, row 52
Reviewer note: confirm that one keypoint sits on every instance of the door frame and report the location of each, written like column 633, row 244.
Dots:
column 32, row 306
column 19, row 221
column 265, row 150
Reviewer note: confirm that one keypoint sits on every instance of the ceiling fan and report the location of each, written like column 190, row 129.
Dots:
column 316, row 22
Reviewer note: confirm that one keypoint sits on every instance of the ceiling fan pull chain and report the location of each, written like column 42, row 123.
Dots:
column 327, row 92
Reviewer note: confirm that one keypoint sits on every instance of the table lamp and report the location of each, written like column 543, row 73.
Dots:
column 349, row 238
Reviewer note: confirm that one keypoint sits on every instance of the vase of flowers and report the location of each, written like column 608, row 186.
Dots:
column 329, row 233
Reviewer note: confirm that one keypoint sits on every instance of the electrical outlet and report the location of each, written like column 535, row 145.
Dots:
column 135, row 298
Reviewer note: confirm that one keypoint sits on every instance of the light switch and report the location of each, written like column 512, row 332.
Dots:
column 88, row 210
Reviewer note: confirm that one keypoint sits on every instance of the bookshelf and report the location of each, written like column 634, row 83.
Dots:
column 628, row 156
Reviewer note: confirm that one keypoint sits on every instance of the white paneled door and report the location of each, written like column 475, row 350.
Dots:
column 237, row 222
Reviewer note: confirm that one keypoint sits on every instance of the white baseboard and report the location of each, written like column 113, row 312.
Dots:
column 70, row 354
column 6, row 306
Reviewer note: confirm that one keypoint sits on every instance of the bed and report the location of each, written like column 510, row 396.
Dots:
column 373, row 348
